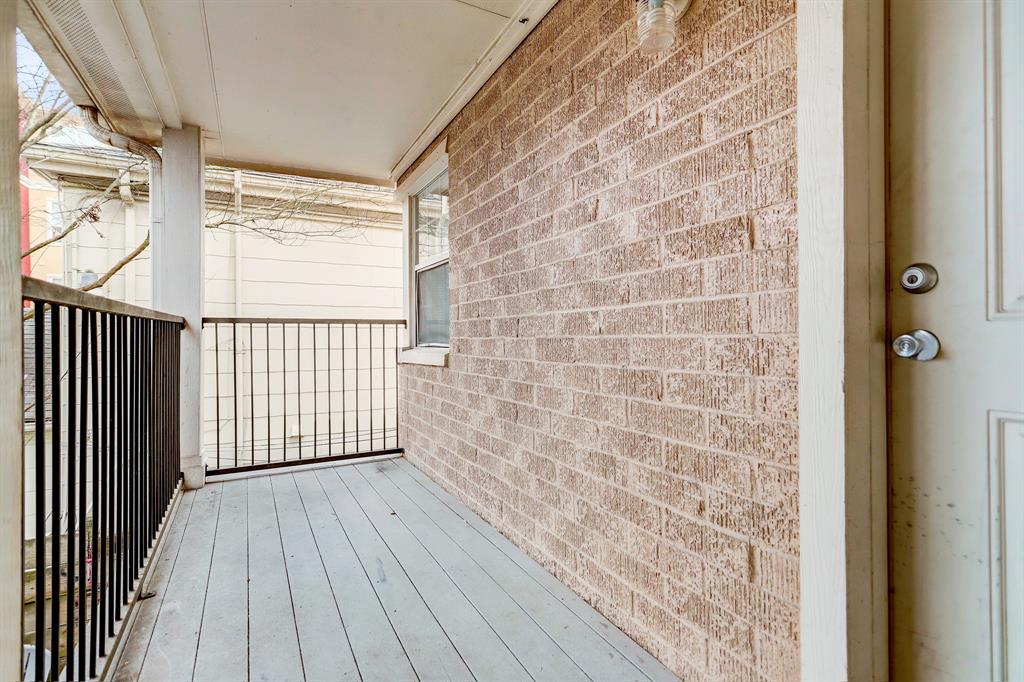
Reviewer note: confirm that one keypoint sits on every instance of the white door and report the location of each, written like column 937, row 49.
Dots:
column 956, row 146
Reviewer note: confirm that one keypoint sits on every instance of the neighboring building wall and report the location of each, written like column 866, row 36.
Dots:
column 621, row 399
column 358, row 275
column 46, row 263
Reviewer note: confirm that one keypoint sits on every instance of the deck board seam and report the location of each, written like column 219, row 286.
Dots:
column 362, row 567
column 163, row 594
column 287, row 576
column 209, row 571
column 463, row 592
column 448, row 575
column 539, row 583
column 327, row 576
column 248, row 597
column 412, row 583
column 494, row 580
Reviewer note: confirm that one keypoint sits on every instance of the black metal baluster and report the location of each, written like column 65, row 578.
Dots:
column 136, row 469
column 330, row 415
column 298, row 380
column 234, row 383
column 216, row 373
column 69, row 646
column 384, row 387
column 115, row 470
column 284, row 401
column 160, row 409
column 344, row 394
column 146, row 443
column 252, row 401
column 147, row 477
column 130, row 470
column 83, row 480
column 397, row 396
column 369, row 345
column 123, row 482
column 104, row 488
column 315, row 432
column 357, row 388
column 93, row 596
column 176, row 402
column 156, row 411
column 55, row 483
column 150, row 461
column 39, row 356
column 267, row 358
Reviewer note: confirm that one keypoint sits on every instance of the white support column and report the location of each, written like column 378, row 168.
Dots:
column 178, row 278
column 11, row 415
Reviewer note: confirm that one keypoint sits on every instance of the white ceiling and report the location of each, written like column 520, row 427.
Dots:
column 343, row 87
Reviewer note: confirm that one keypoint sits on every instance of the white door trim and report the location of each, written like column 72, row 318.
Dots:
column 841, row 214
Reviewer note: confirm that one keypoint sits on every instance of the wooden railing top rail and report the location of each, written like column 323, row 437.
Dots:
column 295, row 320
column 47, row 292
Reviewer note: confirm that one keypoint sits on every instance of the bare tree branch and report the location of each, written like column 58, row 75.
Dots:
column 119, row 265
column 90, row 213
column 116, row 268
column 38, row 129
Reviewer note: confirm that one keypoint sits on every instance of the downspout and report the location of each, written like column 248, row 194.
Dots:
column 90, row 120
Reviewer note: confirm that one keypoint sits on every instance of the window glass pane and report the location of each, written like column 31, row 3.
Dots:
column 432, row 304
column 432, row 220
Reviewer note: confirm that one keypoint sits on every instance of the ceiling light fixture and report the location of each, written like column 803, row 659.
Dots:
column 656, row 23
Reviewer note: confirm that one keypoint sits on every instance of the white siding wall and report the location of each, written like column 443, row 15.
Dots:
column 356, row 277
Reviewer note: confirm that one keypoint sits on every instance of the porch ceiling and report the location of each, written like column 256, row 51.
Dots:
column 351, row 89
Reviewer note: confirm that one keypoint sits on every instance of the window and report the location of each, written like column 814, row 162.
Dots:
column 54, row 218
column 429, row 209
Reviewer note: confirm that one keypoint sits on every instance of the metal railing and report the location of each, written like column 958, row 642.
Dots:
column 102, row 467
column 281, row 391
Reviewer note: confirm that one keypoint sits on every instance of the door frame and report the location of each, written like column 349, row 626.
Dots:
column 841, row 215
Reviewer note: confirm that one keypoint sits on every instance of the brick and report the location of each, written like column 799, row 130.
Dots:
column 777, row 313
column 714, row 392
column 726, row 472
column 621, row 395
column 708, row 241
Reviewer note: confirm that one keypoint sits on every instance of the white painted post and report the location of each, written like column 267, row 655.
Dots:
column 178, row 278
column 841, row 223
column 11, row 415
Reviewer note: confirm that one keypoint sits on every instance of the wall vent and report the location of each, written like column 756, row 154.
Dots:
column 74, row 23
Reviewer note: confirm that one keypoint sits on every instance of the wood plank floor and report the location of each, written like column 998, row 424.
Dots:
column 360, row 572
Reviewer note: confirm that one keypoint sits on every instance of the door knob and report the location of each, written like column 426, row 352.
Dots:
column 919, row 344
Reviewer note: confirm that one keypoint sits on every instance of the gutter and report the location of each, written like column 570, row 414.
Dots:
column 90, row 120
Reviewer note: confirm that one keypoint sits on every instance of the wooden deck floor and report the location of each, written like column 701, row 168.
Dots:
column 365, row 571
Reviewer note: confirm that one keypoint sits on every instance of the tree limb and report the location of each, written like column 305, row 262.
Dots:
column 32, row 131
column 143, row 245
column 118, row 266
column 88, row 212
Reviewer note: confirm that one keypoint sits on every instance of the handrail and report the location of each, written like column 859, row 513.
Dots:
column 106, row 471
column 38, row 290
column 295, row 320
column 336, row 377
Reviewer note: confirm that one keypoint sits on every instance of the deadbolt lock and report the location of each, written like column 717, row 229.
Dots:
column 919, row 278
column 919, row 344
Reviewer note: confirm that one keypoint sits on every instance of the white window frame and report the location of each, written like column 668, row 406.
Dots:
column 54, row 217
column 430, row 169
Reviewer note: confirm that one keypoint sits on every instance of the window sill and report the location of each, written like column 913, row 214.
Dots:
column 424, row 355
